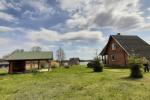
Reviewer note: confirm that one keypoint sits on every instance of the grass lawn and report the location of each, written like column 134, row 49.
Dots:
column 76, row 83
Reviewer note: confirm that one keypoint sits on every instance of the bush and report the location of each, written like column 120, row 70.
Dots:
column 66, row 66
column 96, row 65
column 136, row 64
column 90, row 64
column 136, row 71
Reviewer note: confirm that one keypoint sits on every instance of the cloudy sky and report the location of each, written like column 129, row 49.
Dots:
column 78, row 26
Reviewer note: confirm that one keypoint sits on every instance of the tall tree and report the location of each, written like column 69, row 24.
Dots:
column 36, row 48
column 96, row 54
column 60, row 54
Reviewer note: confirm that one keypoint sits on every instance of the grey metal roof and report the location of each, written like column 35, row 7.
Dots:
column 30, row 55
column 132, row 45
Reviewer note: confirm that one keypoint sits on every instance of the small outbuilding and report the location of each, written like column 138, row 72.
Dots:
column 74, row 61
column 18, row 60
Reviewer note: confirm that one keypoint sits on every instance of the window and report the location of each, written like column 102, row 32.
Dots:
column 114, row 57
column 114, row 46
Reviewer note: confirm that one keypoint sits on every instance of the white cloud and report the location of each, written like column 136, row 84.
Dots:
column 3, row 41
column 37, row 8
column 121, row 15
column 41, row 9
column 5, row 29
column 148, row 9
column 146, row 27
column 6, row 17
column 43, row 34
column 11, row 29
column 148, row 17
column 89, row 53
column 70, row 5
column 84, row 35
column 3, row 5
column 77, row 36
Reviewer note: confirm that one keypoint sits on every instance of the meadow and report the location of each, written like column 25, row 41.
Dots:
column 75, row 83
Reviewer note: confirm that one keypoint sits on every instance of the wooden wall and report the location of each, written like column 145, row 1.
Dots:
column 16, row 66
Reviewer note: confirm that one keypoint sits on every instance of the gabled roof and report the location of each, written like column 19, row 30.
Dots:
column 30, row 55
column 132, row 45
column 74, row 58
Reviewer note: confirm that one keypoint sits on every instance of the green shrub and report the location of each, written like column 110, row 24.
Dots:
column 96, row 65
column 136, row 71
column 66, row 66
column 89, row 65
column 136, row 64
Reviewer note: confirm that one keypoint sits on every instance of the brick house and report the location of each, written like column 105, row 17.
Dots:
column 119, row 47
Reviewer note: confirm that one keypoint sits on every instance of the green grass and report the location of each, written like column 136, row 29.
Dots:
column 76, row 83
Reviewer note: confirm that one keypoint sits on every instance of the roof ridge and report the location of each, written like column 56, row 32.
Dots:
column 32, row 51
column 126, row 35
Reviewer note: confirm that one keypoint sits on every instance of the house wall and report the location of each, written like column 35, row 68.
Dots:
column 121, row 55
column 74, row 62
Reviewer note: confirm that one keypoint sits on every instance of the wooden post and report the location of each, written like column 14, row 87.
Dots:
column 102, row 59
column 49, row 65
column 10, row 68
column 105, row 59
column 31, row 65
column 38, row 64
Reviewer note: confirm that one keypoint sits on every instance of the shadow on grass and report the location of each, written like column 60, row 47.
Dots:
column 128, row 78
column 92, row 72
column 116, row 67
column 19, row 73
column 4, row 74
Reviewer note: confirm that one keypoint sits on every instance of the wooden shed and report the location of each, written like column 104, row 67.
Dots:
column 17, row 60
column 74, row 61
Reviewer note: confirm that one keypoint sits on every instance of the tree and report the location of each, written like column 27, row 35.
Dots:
column 36, row 48
column 96, row 64
column 96, row 53
column 136, row 64
column 60, row 54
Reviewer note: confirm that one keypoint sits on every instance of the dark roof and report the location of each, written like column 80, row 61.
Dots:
column 1, row 60
column 74, row 58
column 30, row 55
column 132, row 45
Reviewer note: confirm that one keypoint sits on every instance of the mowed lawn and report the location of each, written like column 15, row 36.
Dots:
column 76, row 83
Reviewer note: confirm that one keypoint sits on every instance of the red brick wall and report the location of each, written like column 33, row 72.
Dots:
column 121, row 55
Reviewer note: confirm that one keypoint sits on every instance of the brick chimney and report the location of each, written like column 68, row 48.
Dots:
column 118, row 33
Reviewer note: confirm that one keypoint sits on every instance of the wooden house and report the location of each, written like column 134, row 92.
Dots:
column 120, row 47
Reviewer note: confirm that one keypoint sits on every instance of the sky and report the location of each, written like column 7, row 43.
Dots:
column 80, row 27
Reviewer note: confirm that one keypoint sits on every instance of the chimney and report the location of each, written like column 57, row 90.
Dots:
column 118, row 33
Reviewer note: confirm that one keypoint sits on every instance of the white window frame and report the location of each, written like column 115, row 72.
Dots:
column 115, row 57
column 113, row 46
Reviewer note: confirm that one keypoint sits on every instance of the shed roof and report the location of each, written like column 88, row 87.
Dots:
column 132, row 44
column 30, row 55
